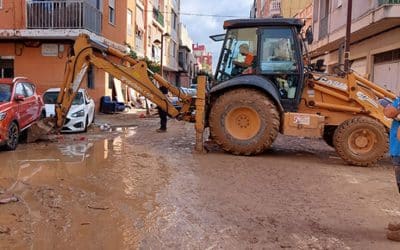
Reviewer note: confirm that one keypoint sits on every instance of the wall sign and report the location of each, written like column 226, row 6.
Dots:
column 49, row 49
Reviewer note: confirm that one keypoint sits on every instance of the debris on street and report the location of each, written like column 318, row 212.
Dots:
column 8, row 199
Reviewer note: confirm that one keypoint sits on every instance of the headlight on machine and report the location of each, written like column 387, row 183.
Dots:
column 3, row 115
column 80, row 113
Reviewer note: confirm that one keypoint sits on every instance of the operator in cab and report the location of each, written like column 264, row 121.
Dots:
column 243, row 66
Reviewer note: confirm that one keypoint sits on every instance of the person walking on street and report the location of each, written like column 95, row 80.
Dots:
column 393, row 111
column 163, row 114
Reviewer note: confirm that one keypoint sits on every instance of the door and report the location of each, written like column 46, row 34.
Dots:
column 23, row 106
column 387, row 75
column 280, row 61
column 32, row 101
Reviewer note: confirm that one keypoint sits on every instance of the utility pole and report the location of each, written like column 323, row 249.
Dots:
column 347, row 39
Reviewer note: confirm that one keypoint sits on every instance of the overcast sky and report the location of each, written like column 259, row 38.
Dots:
column 201, row 27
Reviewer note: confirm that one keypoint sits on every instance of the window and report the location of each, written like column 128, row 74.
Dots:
column 29, row 90
column 173, row 49
column 110, row 81
column 238, row 54
column 278, row 55
column 324, row 9
column 5, row 92
column 111, row 11
column 19, row 89
column 6, row 68
column 174, row 20
column 90, row 77
column 51, row 98
column 129, row 22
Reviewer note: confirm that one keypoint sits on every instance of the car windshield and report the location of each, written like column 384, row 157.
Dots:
column 51, row 98
column 5, row 93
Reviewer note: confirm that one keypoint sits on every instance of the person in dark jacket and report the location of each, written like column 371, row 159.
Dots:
column 163, row 115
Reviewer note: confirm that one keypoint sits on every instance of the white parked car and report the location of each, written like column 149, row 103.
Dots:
column 81, row 114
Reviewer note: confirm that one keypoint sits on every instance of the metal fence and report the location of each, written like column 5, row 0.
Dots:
column 63, row 15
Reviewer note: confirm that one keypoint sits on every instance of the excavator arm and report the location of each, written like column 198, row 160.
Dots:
column 133, row 73
column 129, row 71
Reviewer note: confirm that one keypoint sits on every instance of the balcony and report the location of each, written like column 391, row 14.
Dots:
column 275, row 8
column 63, row 15
column 382, row 2
column 158, row 16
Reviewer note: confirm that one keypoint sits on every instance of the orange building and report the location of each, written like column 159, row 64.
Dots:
column 35, row 37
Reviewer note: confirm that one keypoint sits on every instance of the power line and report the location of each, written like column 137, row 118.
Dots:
column 196, row 14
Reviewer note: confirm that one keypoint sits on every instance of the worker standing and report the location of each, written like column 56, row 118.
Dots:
column 163, row 114
column 393, row 111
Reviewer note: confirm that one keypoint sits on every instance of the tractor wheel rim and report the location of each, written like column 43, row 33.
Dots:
column 362, row 141
column 243, row 123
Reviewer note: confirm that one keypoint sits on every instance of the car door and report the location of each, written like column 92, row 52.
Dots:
column 33, row 101
column 22, row 105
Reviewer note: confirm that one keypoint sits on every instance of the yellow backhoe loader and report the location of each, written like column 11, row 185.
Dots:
column 246, row 108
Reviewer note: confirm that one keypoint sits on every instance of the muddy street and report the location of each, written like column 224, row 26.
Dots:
column 130, row 187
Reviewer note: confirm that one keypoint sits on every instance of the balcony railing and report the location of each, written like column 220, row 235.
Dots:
column 63, row 15
column 158, row 16
column 381, row 2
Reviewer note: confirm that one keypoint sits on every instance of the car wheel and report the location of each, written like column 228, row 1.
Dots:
column 93, row 118
column 43, row 114
column 86, row 123
column 13, row 137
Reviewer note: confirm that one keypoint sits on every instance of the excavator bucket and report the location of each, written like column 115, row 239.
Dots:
column 41, row 129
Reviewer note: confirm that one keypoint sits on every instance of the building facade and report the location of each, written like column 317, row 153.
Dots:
column 266, row 8
column 36, row 36
column 186, row 60
column 203, row 58
column 375, row 39
column 278, row 8
column 290, row 8
column 170, row 64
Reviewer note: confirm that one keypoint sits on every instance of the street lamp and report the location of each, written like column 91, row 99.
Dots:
column 158, row 42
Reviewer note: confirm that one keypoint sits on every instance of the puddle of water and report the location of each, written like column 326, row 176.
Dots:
column 58, row 181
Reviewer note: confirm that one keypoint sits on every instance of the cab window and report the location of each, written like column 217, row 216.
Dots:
column 280, row 61
column 239, row 53
column 278, row 51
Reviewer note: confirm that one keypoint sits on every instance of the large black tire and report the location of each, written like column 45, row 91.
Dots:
column 244, row 122
column 13, row 137
column 329, row 131
column 361, row 141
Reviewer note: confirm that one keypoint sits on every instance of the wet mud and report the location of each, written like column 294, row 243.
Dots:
column 132, row 188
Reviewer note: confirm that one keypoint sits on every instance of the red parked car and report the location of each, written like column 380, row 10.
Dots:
column 20, row 106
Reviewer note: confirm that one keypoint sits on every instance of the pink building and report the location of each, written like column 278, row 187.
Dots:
column 203, row 58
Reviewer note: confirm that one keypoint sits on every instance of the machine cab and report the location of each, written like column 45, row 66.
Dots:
column 270, row 48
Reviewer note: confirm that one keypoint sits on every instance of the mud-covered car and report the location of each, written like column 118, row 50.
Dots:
column 81, row 114
column 20, row 106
